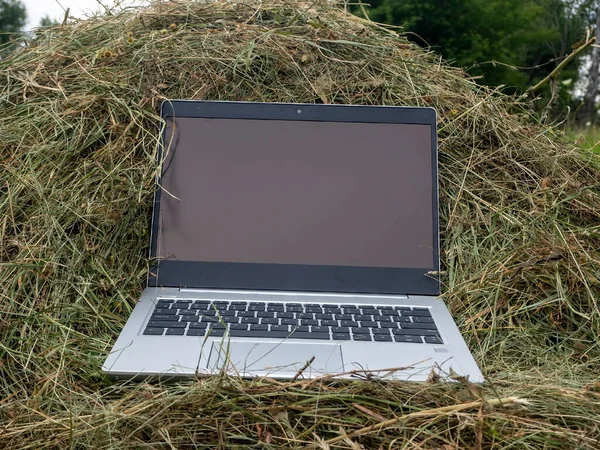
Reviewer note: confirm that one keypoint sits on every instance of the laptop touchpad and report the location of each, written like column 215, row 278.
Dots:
column 275, row 359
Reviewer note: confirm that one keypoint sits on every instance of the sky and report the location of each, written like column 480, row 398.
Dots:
column 36, row 9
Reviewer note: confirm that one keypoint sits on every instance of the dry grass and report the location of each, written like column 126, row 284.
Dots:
column 520, row 236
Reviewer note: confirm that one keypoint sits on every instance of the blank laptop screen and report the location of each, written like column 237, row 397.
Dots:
column 297, row 192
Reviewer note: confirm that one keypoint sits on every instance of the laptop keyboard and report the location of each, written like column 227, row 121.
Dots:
column 293, row 320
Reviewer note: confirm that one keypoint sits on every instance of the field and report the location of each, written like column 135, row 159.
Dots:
column 519, row 225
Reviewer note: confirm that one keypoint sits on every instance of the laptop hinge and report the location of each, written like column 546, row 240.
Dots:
column 325, row 294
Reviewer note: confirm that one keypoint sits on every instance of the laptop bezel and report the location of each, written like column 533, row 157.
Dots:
column 296, row 277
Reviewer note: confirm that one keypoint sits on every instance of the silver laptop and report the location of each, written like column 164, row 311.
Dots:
column 294, row 241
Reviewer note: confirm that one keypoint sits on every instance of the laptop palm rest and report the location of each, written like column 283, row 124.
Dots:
column 251, row 358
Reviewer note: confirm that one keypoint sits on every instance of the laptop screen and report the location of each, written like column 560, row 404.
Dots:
column 297, row 192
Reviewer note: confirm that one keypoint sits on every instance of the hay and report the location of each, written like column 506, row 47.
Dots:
column 520, row 237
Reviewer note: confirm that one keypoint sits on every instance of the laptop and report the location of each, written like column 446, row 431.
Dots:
column 294, row 241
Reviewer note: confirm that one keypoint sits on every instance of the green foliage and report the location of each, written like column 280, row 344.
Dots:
column 46, row 21
column 12, row 19
column 501, row 42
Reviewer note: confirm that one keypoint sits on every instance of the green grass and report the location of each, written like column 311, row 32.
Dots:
column 587, row 138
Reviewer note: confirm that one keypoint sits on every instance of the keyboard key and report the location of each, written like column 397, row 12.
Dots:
column 352, row 310
column 367, row 323
column 371, row 312
column 238, row 326
column 313, row 309
column 195, row 332
column 294, row 305
column 187, row 312
column 153, row 331
column 418, row 326
column 279, row 328
column 289, row 321
column 218, row 326
column 216, row 332
column 275, row 308
column 362, row 317
column 380, row 331
column 408, row 338
column 330, row 323
column 208, row 312
column 209, row 319
column 254, row 320
column 265, row 314
column 433, row 340
column 343, row 317
column 390, row 312
column 309, row 322
column 269, row 320
column 324, row 316
column 361, row 331
column 340, row 330
column 165, row 317
column 221, row 302
column 230, row 319
column 402, row 308
column 165, row 324
column 220, row 307
column 259, row 327
column 382, row 337
column 198, row 326
column 165, row 312
column 245, row 314
column 238, row 307
column 294, row 309
column 259, row 333
column 327, row 310
column 425, row 313
column 260, row 307
column 200, row 306
column 420, row 319
column 319, row 329
column 303, row 328
column 382, row 319
column 401, row 319
column 305, row 316
column 201, row 302
column 275, row 304
column 388, row 308
column 285, row 315
column 175, row 332
column 417, row 332
column 226, row 313
column 388, row 325
column 341, row 336
column 349, row 323
column 361, row 337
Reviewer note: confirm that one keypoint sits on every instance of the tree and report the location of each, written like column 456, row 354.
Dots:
column 12, row 19
column 491, row 38
column 46, row 21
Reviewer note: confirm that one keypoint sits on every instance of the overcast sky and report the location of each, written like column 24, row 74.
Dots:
column 36, row 9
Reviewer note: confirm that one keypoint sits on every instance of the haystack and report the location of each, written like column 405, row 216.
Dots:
column 78, row 136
